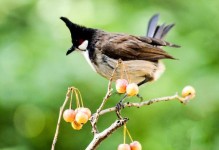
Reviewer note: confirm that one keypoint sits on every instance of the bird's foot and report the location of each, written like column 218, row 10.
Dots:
column 120, row 106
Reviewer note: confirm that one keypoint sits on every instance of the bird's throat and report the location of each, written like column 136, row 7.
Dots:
column 86, row 56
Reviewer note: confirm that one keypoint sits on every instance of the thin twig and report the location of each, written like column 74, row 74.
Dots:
column 68, row 94
column 95, row 117
column 148, row 102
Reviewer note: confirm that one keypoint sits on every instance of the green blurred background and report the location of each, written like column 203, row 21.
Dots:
column 35, row 74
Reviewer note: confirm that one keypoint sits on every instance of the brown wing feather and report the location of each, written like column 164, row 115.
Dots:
column 127, row 47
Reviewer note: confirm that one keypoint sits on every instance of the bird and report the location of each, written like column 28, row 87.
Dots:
column 141, row 55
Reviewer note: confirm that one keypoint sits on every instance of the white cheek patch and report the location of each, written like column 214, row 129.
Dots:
column 83, row 45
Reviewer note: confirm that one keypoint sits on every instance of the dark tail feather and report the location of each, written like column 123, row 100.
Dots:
column 166, row 30
column 159, row 31
column 156, row 31
column 152, row 24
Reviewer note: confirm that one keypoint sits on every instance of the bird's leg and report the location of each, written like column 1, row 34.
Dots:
column 143, row 82
column 119, row 106
column 139, row 84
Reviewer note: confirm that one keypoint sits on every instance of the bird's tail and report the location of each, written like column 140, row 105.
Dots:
column 157, row 31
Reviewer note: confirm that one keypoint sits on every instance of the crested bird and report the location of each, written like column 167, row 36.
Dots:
column 141, row 55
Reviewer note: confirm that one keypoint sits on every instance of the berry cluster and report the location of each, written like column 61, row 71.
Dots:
column 134, row 145
column 122, row 86
column 80, row 115
column 77, row 117
column 125, row 86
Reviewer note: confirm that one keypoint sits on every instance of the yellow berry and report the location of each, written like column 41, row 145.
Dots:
column 188, row 91
column 69, row 115
column 86, row 111
column 135, row 145
column 76, row 126
column 132, row 89
column 81, row 117
column 121, row 85
column 124, row 147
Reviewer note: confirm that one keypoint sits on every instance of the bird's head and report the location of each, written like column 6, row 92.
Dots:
column 81, row 36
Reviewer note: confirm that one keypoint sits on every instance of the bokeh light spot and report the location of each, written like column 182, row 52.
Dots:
column 29, row 120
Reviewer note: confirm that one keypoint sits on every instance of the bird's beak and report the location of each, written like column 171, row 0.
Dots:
column 70, row 50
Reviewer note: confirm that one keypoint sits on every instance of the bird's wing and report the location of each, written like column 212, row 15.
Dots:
column 127, row 47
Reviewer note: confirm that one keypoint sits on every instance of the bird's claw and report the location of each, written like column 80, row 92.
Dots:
column 119, row 106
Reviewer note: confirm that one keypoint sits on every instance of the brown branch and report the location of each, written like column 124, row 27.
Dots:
column 60, row 117
column 148, row 102
column 99, row 137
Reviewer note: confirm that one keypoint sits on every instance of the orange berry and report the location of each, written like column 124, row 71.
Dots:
column 188, row 91
column 121, row 85
column 132, row 89
column 86, row 111
column 135, row 145
column 124, row 147
column 69, row 115
column 76, row 126
column 81, row 117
